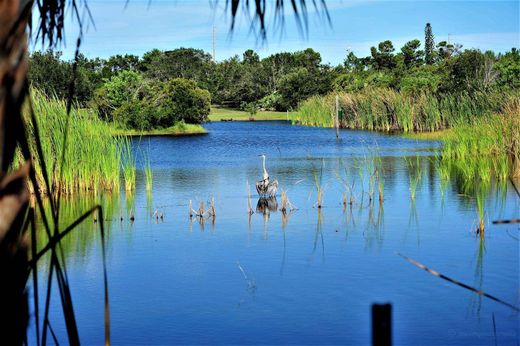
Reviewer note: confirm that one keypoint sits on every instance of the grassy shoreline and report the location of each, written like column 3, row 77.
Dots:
column 179, row 129
column 438, row 135
column 389, row 111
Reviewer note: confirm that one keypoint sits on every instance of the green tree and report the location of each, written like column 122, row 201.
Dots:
column 383, row 56
column 466, row 72
column 49, row 73
column 123, row 87
column 183, row 100
column 118, row 63
column 508, row 67
column 422, row 79
column 250, row 57
column 429, row 45
column 188, row 63
column 412, row 56
column 308, row 58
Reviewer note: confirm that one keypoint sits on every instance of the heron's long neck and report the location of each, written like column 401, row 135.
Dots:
column 265, row 170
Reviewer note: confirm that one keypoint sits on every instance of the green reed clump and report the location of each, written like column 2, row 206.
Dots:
column 128, row 163
column 92, row 155
column 378, row 171
column 148, row 171
column 315, row 111
column 388, row 110
column 318, row 177
column 414, row 174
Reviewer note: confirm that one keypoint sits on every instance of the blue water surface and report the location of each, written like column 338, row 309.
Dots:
column 309, row 277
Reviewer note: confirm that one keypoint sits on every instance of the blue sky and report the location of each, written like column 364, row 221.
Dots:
column 356, row 25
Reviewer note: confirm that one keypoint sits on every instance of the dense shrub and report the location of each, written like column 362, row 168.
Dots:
column 138, row 103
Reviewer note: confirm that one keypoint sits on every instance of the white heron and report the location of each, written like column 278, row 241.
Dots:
column 265, row 187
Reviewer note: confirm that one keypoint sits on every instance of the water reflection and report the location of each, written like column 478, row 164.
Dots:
column 267, row 205
column 479, row 276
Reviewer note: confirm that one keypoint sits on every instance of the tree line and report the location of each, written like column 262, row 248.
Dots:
column 163, row 87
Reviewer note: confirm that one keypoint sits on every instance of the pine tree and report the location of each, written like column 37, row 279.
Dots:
column 429, row 45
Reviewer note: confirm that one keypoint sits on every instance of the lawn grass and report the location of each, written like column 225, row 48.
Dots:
column 222, row 113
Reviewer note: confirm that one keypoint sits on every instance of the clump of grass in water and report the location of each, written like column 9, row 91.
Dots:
column 380, row 185
column 128, row 162
column 349, row 187
column 318, row 176
column 149, row 175
column 481, row 198
column 414, row 174
column 148, row 169
column 369, row 166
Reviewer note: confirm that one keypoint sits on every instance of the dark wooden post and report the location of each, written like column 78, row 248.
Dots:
column 381, row 324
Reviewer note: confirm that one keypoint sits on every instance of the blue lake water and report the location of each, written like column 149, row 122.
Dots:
column 309, row 277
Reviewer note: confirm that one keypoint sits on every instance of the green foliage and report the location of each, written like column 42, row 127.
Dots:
column 185, row 101
column 509, row 70
column 116, row 91
column 270, row 102
column 429, row 45
column 383, row 57
column 118, row 85
column 485, row 152
column 421, row 79
column 412, row 56
column 91, row 164
column 295, row 87
column 50, row 74
column 136, row 103
column 188, row 63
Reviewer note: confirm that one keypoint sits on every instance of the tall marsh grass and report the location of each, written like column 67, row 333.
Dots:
column 389, row 110
column 128, row 160
column 490, row 148
column 92, row 154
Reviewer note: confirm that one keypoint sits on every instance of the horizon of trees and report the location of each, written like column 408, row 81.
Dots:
column 282, row 80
